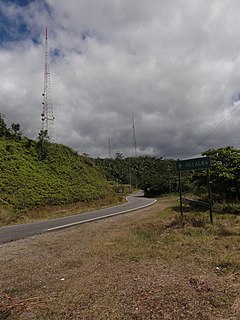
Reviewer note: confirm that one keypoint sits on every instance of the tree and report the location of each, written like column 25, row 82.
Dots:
column 43, row 144
column 9, row 133
column 153, row 175
column 3, row 126
column 225, row 173
column 15, row 131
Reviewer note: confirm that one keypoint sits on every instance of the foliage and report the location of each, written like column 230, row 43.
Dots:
column 15, row 131
column 225, row 174
column 3, row 126
column 227, row 208
column 10, row 133
column 158, row 176
column 61, row 177
column 43, row 144
column 154, row 175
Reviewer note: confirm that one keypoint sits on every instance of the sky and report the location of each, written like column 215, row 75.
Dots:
column 173, row 65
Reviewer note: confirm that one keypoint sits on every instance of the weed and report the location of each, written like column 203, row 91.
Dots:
column 177, row 222
column 226, row 265
column 227, row 208
column 146, row 234
column 194, row 220
column 199, row 222
column 224, row 231
column 193, row 232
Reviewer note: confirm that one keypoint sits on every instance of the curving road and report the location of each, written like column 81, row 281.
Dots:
column 13, row 233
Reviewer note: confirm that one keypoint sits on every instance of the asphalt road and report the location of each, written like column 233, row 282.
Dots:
column 13, row 233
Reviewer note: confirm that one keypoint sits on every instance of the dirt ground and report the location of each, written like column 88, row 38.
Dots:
column 115, row 269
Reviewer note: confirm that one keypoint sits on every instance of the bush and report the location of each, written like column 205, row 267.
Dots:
column 227, row 208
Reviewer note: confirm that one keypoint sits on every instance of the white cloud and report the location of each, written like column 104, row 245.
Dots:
column 173, row 63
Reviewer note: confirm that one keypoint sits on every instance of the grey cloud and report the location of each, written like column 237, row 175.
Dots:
column 173, row 63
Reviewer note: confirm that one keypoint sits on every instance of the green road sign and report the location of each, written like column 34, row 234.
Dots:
column 193, row 164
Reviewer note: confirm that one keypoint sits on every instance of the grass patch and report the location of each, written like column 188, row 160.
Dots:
column 227, row 208
column 224, row 231
column 190, row 239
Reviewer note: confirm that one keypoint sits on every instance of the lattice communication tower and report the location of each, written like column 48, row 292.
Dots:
column 47, row 112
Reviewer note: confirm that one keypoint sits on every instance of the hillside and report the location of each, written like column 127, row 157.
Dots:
column 63, row 177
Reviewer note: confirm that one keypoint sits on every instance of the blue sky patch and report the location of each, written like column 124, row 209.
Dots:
column 12, row 30
column 21, row 3
column 15, row 28
column 56, row 54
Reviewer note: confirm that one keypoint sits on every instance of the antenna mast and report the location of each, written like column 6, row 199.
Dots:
column 134, row 137
column 109, row 148
column 47, row 113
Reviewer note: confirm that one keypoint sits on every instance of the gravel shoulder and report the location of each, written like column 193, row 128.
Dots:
column 115, row 269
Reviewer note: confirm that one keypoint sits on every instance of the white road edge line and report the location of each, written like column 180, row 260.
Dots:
column 98, row 218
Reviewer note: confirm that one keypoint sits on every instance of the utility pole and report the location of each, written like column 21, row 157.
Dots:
column 134, row 148
column 109, row 148
column 134, row 137
column 47, row 112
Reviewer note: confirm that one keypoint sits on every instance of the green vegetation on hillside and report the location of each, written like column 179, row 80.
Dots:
column 62, row 177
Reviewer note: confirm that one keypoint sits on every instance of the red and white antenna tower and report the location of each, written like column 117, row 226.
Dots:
column 47, row 113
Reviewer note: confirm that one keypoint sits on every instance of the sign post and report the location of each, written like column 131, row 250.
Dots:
column 209, row 195
column 180, row 192
column 203, row 163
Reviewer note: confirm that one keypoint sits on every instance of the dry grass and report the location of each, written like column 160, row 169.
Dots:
column 143, row 265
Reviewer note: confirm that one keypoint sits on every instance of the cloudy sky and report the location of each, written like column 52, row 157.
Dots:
column 174, row 65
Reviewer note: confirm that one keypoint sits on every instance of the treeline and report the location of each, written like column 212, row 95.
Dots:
column 13, row 132
column 158, row 176
column 151, row 174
